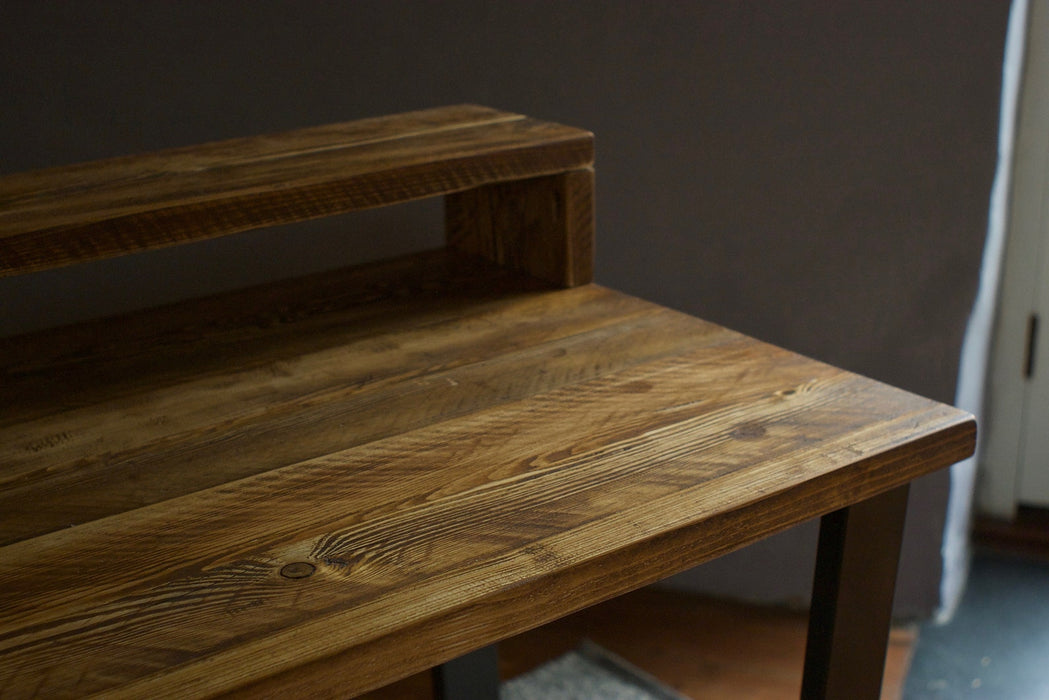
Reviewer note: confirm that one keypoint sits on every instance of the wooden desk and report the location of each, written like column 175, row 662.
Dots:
column 324, row 485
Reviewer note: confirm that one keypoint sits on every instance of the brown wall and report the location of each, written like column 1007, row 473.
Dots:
column 813, row 173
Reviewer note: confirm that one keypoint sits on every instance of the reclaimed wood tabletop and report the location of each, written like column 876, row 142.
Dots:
column 337, row 481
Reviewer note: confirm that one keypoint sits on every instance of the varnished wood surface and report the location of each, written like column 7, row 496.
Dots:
column 69, row 214
column 541, row 226
column 461, row 454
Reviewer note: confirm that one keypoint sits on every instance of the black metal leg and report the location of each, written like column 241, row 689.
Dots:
column 859, row 550
column 473, row 676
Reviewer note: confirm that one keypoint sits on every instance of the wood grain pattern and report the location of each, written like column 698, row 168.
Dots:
column 324, row 485
column 294, row 396
column 542, row 226
column 76, row 213
column 456, row 471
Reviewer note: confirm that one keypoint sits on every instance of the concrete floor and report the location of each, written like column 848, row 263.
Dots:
column 997, row 644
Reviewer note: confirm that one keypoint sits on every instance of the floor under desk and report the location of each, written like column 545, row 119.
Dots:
column 702, row 647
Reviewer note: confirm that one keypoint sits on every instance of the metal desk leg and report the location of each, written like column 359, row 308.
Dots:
column 859, row 550
column 473, row 675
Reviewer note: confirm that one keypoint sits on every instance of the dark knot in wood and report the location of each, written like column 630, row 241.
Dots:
column 298, row 569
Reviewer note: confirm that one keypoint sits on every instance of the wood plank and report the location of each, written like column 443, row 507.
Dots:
column 647, row 467
column 357, row 471
column 546, row 596
column 50, row 183
column 95, row 210
column 82, row 365
column 542, row 226
column 163, row 442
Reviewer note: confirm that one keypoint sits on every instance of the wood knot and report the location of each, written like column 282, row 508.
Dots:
column 749, row 431
column 298, row 569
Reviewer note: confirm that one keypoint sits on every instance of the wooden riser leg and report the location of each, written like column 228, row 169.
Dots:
column 542, row 226
column 859, row 550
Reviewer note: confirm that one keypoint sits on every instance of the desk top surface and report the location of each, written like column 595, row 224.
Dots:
column 379, row 469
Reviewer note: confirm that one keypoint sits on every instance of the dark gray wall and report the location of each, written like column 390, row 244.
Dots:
column 813, row 173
